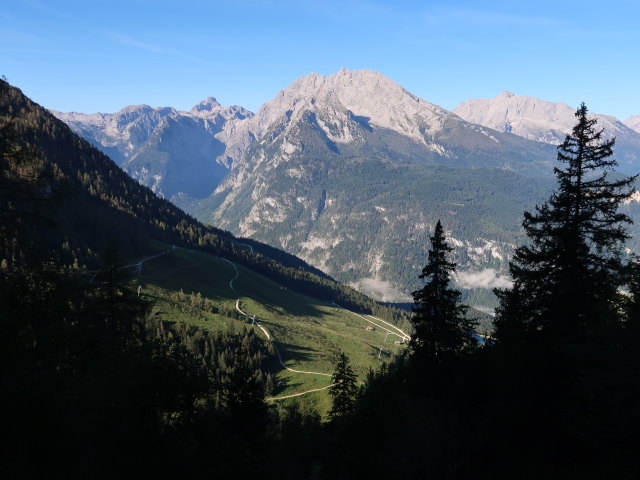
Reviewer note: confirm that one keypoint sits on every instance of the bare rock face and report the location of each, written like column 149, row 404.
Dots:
column 366, row 94
column 370, row 97
column 549, row 122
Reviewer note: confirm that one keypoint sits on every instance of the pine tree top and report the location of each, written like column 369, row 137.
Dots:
column 439, row 319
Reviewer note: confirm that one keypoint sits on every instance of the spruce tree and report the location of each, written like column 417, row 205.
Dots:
column 441, row 325
column 566, row 279
column 344, row 393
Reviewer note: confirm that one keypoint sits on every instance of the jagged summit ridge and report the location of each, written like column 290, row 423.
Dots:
column 122, row 133
column 340, row 102
column 210, row 107
column 208, row 104
column 548, row 122
column 171, row 151
column 529, row 117
column 365, row 93
column 525, row 116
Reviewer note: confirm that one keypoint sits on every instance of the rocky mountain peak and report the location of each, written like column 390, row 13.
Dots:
column 366, row 94
column 135, row 109
column 207, row 105
column 517, row 111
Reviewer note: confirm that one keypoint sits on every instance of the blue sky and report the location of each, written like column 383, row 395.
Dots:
column 95, row 55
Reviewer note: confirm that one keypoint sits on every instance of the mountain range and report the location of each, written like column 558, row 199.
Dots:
column 168, row 150
column 351, row 171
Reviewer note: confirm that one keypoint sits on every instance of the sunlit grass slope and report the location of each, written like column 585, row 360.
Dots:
column 308, row 333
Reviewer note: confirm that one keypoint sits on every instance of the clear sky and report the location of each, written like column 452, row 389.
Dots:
column 100, row 55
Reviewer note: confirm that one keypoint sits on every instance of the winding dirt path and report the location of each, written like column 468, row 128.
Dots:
column 246, row 245
column 402, row 334
column 266, row 334
column 301, row 393
column 138, row 265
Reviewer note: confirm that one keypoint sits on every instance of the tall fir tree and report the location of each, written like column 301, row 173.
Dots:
column 344, row 393
column 441, row 326
column 566, row 279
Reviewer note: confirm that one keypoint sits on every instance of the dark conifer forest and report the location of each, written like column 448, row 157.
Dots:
column 95, row 386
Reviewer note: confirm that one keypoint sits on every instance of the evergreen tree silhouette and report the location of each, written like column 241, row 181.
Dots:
column 441, row 326
column 566, row 279
column 345, row 391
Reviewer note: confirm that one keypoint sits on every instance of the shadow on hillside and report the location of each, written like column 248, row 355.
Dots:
column 182, row 271
column 375, row 351
column 295, row 307
column 187, row 275
column 150, row 296
column 297, row 353
column 296, row 387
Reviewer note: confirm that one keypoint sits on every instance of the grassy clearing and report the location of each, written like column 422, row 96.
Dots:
column 308, row 333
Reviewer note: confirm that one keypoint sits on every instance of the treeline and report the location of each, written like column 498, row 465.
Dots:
column 221, row 355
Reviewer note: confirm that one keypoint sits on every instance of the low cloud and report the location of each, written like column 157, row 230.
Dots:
column 487, row 278
column 488, row 310
column 381, row 290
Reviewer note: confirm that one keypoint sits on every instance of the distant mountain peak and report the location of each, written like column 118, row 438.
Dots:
column 549, row 122
column 136, row 108
column 365, row 93
column 207, row 105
